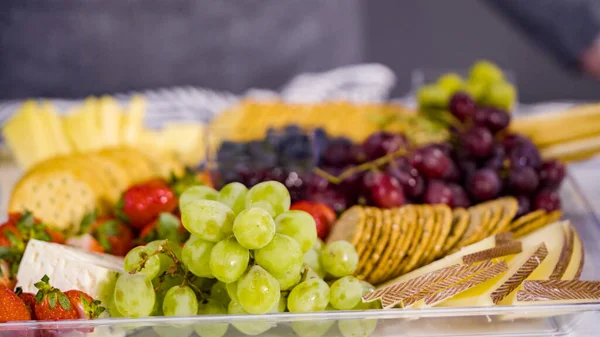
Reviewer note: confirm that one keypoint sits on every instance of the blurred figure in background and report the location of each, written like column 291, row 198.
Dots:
column 73, row 48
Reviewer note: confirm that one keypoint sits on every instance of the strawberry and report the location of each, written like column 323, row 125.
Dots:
column 10, row 236
column 86, row 242
column 28, row 299
column 12, row 307
column 52, row 304
column 142, row 203
column 84, row 304
column 327, row 212
column 317, row 214
column 115, row 237
column 166, row 227
column 7, row 278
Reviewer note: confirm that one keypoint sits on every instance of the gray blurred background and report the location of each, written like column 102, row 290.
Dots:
column 74, row 48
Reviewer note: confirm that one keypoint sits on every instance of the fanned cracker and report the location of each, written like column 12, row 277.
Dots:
column 444, row 219
column 426, row 223
column 530, row 227
column 510, row 207
column 349, row 226
column 526, row 218
column 377, row 240
column 366, row 235
column 490, row 226
column 407, row 216
column 375, row 269
column 477, row 220
column 460, row 221
column 436, row 230
column 553, row 217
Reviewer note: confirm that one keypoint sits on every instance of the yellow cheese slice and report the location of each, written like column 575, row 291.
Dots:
column 55, row 131
column 109, row 118
column 133, row 121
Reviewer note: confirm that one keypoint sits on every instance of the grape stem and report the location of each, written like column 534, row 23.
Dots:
column 370, row 165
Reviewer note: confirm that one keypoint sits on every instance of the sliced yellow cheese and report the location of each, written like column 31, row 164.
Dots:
column 81, row 126
column 186, row 140
column 133, row 121
column 18, row 132
column 109, row 118
column 55, row 130
column 554, row 236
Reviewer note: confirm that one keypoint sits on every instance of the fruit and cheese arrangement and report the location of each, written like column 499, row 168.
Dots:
column 296, row 216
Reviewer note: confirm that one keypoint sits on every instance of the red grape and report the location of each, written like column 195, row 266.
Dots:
column 388, row 193
column 438, row 192
column 330, row 197
column 525, row 155
column 409, row 178
column 459, row 196
column 358, row 154
column 552, row 173
column 524, row 205
column 492, row 118
column 484, row 184
column 523, row 180
column 431, row 162
column 452, row 173
column 547, row 199
column 381, row 143
column 467, row 167
column 338, row 153
column 496, row 162
column 478, row 142
column 513, row 140
column 462, row 106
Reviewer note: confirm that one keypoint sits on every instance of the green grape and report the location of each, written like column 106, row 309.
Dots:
column 234, row 196
column 198, row 192
column 290, row 278
column 248, row 328
column 311, row 328
column 257, row 291
column 486, row 72
column 272, row 196
column 228, row 260
column 310, row 295
column 357, row 328
column 218, row 292
column 232, row 291
column 195, row 255
column 309, row 273
column 280, row 256
column 318, row 245
column 134, row 295
column 282, row 304
column 173, row 331
column 211, row 307
column 475, row 89
column 180, row 301
column 165, row 260
column 207, row 219
column 433, row 96
column 254, row 228
column 367, row 287
column 161, row 286
column 501, row 95
column 339, row 259
column 346, row 293
column 452, row 82
column 134, row 258
column 300, row 226
column 311, row 259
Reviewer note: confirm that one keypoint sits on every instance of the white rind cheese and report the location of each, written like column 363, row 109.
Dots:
column 69, row 268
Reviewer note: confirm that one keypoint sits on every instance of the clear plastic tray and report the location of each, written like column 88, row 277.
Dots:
column 539, row 320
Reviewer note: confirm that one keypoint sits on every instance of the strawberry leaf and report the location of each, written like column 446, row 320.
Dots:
column 39, row 297
column 167, row 227
column 87, row 222
column 25, row 221
column 52, row 300
column 45, row 279
column 119, row 211
column 18, row 291
column 63, row 300
column 14, row 240
column 110, row 227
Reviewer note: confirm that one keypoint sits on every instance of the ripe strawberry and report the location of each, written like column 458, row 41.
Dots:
column 10, row 236
column 12, row 307
column 327, row 212
column 317, row 214
column 7, row 278
column 52, row 304
column 142, row 203
column 166, row 227
column 28, row 299
column 115, row 237
column 84, row 304
column 86, row 242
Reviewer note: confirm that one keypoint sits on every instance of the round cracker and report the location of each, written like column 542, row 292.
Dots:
column 429, row 213
column 407, row 216
column 374, row 276
column 460, row 222
column 553, row 217
column 381, row 218
column 59, row 198
column 510, row 207
column 526, row 218
column 115, row 173
column 478, row 217
column 426, row 223
column 530, row 227
column 349, row 226
column 365, row 238
column 384, row 243
column 138, row 166
column 496, row 215
column 444, row 219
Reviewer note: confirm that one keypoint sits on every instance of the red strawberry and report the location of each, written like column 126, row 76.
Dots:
column 167, row 226
column 115, row 237
column 327, row 212
column 142, row 203
column 320, row 219
column 84, row 304
column 86, row 242
column 28, row 299
column 52, row 304
column 12, row 307
column 7, row 278
column 10, row 236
